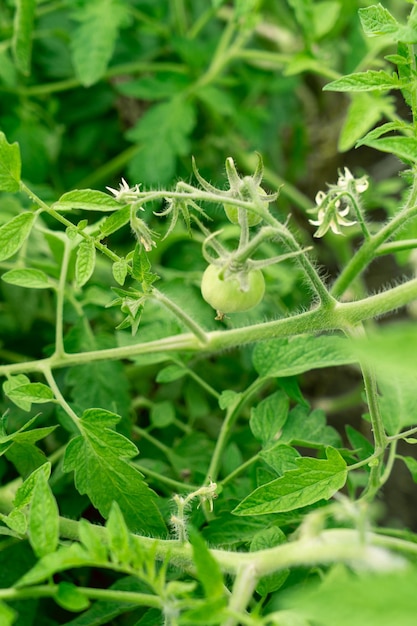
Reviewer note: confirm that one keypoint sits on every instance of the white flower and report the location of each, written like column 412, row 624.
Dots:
column 347, row 182
column 330, row 215
column 125, row 193
column 333, row 206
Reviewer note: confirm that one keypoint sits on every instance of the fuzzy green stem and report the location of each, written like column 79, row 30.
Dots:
column 243, row 588
column 232, row 415
column 108, row 595
column 380, row 436
column 60, row 298
column 181, row 315
column 344, row 315
column 330, row 546
column 68, row 224
column 59, row 397
column 370, row 247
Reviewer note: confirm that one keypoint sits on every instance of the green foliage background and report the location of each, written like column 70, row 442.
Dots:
column 97, row 90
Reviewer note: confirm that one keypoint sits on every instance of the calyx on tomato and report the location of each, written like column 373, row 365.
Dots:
column 232, row 211
column 226, row 295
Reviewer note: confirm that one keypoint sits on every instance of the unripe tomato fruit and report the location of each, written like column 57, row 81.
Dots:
column 232, row 211
column 226, row 296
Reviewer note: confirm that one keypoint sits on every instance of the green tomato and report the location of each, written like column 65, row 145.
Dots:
column 226, row 296
column 232, row 211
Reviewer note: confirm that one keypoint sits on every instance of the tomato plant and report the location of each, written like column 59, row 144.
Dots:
column 160, row 465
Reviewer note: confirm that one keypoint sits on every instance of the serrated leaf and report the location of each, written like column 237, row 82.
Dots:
column 85, row 262
column 365, row 110
column 314, row 480
column 25, row 456
column 281, row 457
column 99, row 457
column 269, row 416
column 43, row 523
column 308, row 429
column 23, row 435
column 22, row 34
column 16, row 521
column 93, row 41
column 377, row 20
column 361, row 445
column 162, row 134
column 404, row 148
column 366, row 81
column 114, row 222
column 119, row 271
column 86, row 199
column 36, row 393
column 397, row 404
column 13, row 234
column 31, row 278
column 70, row 598
column 17, row 381
column 24, row 493
column 382, row 129
column 170, row 373
column 103, row 385
column 118, row 536
column 10, row 166
column 97, row 550
column 208, row 570
column 141, row 267
column 295, row 355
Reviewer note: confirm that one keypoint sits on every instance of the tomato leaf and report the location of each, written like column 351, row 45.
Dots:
column 43, row 530
column 308, row 429
column 94, row 39
column 87, row 200
column 85, row 261
column 14, row 233
column 99, row 457
column 31, row 278
column 289, row 356
column 404, row 148
column 22, row 34
column 162, row 134
column 377, row 20
column 269, row 416
column 313, row 480
column 10, row 166
column 37, row 393
column 366, row 81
